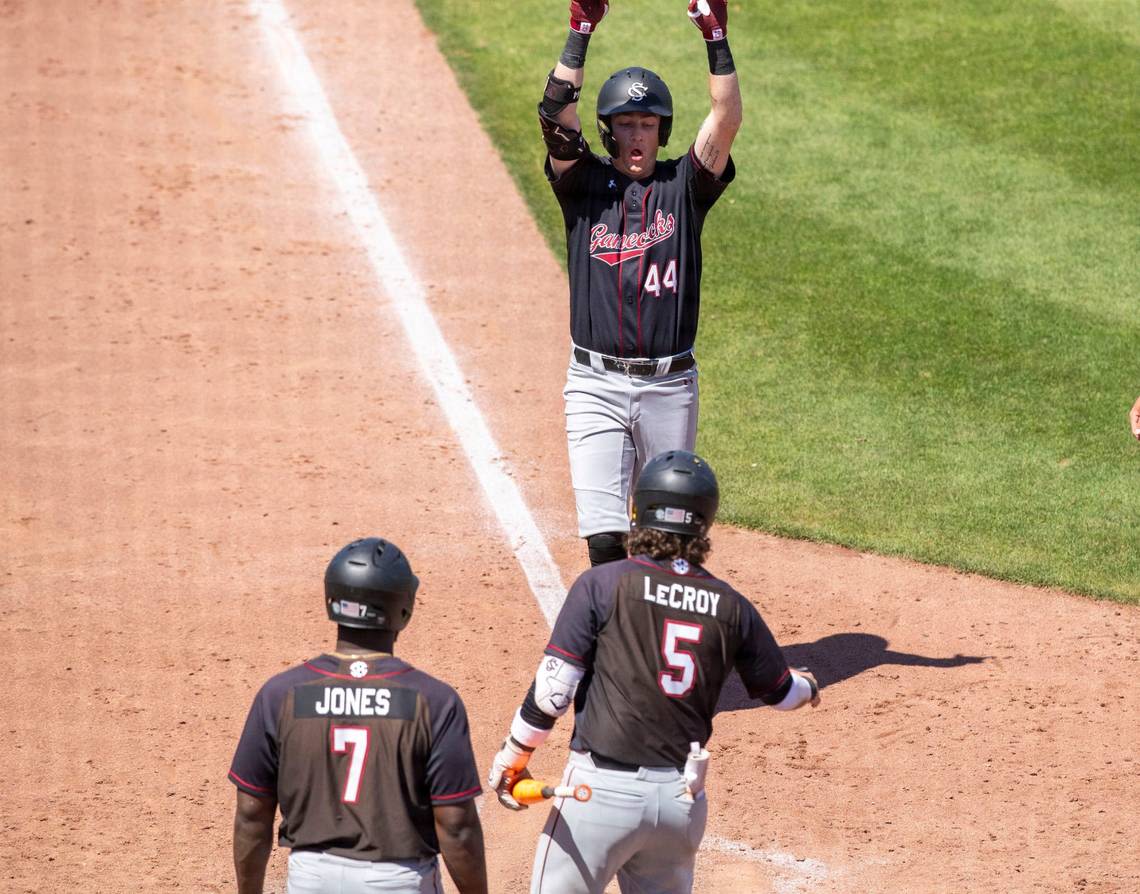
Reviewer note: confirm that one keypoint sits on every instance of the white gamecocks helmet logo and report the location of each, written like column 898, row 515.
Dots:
column 638, row 91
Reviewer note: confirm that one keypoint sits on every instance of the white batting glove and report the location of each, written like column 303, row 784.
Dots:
column 508, row 767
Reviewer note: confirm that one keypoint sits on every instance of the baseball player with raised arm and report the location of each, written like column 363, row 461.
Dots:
column 642, row 647
column 633, row 244
column 369, row 759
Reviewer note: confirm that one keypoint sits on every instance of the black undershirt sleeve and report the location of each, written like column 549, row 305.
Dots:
column 533, row 714
column 778, row 694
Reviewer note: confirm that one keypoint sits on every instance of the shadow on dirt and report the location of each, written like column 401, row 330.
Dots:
column 836, row 658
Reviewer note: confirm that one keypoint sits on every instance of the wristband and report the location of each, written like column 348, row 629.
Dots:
column 720, row 57
column 527, row 737
column 574, row 53
column 799, row 693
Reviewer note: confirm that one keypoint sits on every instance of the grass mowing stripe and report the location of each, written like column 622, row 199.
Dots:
column 958, row 420
column 1026, row 75
column 1116, row 17
column 908, row 180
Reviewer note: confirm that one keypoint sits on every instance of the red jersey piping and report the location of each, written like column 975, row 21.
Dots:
column 564, row 652
column 621, row 260
column 640, row 265
column 257, row 788
column 457, row 795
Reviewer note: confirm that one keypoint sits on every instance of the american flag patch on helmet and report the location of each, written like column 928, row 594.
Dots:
column 350, row 609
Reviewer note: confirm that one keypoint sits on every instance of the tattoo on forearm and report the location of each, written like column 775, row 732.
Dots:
column 708, row 153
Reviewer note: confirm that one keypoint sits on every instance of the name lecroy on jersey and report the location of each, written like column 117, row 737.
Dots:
column 685, row 597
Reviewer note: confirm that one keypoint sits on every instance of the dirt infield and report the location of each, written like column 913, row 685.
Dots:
column 206, row 392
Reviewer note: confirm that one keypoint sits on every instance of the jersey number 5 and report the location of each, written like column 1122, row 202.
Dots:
column 678, row 681
column 354, row 740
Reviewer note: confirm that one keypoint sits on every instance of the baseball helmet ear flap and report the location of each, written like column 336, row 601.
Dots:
column 369, row 584
column 634, row 89
column 676, row 492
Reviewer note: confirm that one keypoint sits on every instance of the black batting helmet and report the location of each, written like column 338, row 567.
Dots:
column 676, row 492
column 634, row 90
column 370, row 584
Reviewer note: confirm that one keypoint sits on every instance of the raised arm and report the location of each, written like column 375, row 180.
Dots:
column 558, row 111
column 714, row 139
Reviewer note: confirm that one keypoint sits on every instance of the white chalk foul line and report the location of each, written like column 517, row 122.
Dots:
column 303, row 88
column 798, row 871
column 408, row 300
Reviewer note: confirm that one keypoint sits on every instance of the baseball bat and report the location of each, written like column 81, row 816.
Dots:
column 531, row 791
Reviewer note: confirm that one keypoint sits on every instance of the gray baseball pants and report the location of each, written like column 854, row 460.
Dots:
column 616, row 423
column 642, row 826
column 311, row 872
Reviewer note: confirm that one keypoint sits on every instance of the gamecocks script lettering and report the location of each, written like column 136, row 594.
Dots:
column 613, row 248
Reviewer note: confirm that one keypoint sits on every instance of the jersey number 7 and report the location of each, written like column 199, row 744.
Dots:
column 353, row 739
column 682, row 676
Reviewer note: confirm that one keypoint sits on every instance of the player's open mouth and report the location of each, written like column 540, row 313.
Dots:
column 636, row 154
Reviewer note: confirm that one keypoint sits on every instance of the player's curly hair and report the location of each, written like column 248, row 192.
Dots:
column 667, row 545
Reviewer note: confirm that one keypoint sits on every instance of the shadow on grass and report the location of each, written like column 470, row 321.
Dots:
column 834, row 659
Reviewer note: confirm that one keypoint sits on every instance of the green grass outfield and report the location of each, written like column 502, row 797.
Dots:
column 920, row 331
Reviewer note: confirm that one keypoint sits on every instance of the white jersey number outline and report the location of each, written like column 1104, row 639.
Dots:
column 669, row 280
column 353, row 739
column 680, row 660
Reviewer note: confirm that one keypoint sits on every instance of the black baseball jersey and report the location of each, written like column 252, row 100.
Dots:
column 633, row 250
column 657, row 641
column 357, row 753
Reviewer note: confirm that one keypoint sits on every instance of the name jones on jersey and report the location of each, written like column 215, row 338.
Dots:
column 353, row 702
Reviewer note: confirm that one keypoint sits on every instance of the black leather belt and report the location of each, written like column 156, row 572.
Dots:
column 640, row 368
column 606, row 763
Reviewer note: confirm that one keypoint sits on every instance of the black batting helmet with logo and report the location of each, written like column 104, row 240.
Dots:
column 634, row 90
column 676, row 492
column 369, row 584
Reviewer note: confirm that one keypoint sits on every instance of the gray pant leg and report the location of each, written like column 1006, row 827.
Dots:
column 664, row 416
column 316, row 873
column 666, row 861
column 600, row 448
column 642, row 827
column 584, row 844
column 308, row 875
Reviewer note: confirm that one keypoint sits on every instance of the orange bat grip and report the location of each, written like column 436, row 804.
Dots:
column 529, row 791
